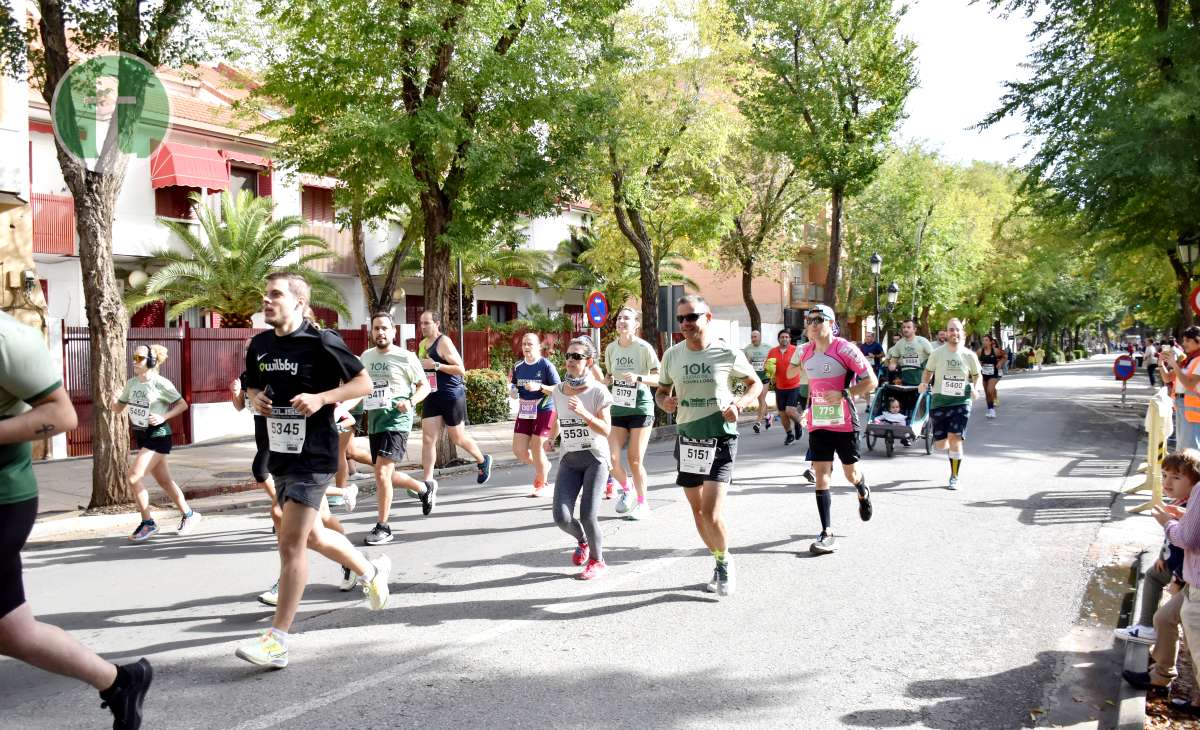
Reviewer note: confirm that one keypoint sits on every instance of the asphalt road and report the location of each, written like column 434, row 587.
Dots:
column 947, row 610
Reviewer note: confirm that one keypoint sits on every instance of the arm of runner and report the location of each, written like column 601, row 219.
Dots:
column 665, row 398
column 867, row 382
column 454, row 364
column 422, row 390
column 177, row 408
column 600, row 422
column 754, row 386
column 52, row 414
column 309, row 403
column 926, row 378
column 237, row 396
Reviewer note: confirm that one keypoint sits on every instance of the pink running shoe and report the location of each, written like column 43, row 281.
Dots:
column 581, row 554
column 593, row 570
column 538, row 486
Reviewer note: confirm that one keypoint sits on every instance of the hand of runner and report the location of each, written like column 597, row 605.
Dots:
column 236, row 386
column 577, row 408
column 670, row 404
column 262, row 403
column 731, row 412
column 533, row 387
column 307, row 404
column 155, row 420
column 401, row 405
column 831, row 397
column 628, row 378
column 922, row 388
column 427, row 363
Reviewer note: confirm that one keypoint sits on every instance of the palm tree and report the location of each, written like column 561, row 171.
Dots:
column 579, row 270
column 224, row 271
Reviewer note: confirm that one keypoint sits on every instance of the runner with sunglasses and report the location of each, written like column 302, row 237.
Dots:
column 833, row 365
column 694, row 382
column 633, row 367
column 151, row 401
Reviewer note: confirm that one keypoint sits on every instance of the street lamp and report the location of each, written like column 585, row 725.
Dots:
column 893, row 293
column 876, row 265
column 1189, row 251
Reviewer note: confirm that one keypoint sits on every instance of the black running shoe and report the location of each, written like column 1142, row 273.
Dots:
column 809, row 476
column 1142, row 681
column 485, row 469
column 379, row 535
column 865, row 510
column 429, row 497
column 755, row 427
column 125, row 701
column 789, row 440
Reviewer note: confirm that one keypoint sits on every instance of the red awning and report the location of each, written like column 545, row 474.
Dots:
column 246, row 158
column 188, row 166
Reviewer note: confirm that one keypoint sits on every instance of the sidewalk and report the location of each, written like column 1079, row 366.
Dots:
column 211, row 469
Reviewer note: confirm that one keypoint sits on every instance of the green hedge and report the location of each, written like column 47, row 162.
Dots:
column 487, row 396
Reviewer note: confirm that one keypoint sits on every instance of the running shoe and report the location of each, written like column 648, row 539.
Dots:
column 265, row 651
column 726, row 585
column 1142, row 681
column 413, row 493
column 188, row 522
column 429, row 497
column 1137, row 634
column 376, row 590
column 865, row 510
column 639, row 511
column 350, row 496
column 144, row 530
column 991, row 413
column 809, row 476
column 755, row 427
column 349, row 580
column 125, row 701
column 623, row 504
column 715, row 582
column 608, row 488
column 336, row 500
column 769, row 420
column 485, row 469
column 823, row 545
column 379, row 535
column 581, row 554
column 594, row 569
column 538, row 486
column 270, row 597
column 789, row 440
column 952, row 485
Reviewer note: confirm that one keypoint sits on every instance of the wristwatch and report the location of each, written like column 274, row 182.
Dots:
column 639, row 378
column 437, row 366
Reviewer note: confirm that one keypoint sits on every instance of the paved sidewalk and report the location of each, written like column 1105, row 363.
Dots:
column 205, row 470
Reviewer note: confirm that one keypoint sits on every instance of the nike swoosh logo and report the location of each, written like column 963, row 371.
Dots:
column 260, row 357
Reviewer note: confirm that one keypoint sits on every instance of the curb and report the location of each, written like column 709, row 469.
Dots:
column 1131, row 702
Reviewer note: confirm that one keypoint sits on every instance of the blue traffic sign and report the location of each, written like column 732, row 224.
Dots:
column 1124, row 368
column 597, row 309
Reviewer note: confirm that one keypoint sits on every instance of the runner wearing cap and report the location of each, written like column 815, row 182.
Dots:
column 832, row 365
column 694, row 380
column 756, row 353
column 954, row 372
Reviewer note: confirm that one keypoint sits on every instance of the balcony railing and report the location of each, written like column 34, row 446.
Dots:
column 340, row 243
column 805, row 293
column 53, row 224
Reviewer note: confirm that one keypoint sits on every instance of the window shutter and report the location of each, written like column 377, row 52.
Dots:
column 264, row 184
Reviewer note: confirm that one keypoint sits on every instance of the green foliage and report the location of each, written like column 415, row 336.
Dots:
column 487, row 396
column 501, row 359
column 224, row 270
column 480, row 323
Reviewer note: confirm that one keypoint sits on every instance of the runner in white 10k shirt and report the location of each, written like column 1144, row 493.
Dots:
column 953, row 370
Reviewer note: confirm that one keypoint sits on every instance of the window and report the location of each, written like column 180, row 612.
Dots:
column 500, row 312
column 325, row 317
column 316, row 204
column 172, row 202
column 241, row 178
column 413, row 306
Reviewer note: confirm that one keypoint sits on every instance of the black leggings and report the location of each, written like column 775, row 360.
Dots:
column 16, row 522
column 261, row 440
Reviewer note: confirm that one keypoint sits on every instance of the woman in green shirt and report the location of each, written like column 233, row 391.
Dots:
column 632, row 364
column 151, row 401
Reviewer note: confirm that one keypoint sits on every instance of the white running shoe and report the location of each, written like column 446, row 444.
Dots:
column 623, row 502
column 952, row 485
column 639, row 511
column 270, row 597
column 991, row 413
column 350, row 496
column 376, row 589
column 187, row 524
column 1137, row 634
column 349, row 580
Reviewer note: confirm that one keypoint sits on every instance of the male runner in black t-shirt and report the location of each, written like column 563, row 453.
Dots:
column 295, row 374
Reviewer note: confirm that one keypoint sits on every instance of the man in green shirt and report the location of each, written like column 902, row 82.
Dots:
column 34, row 405
column 909, row 354
column 694, row 382
column 953, row 370
column 756, row 353
column 398, row 384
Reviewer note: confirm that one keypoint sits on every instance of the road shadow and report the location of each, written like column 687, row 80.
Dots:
column 1061, row 507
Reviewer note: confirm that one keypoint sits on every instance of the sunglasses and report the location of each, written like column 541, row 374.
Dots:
column 576, row 356
column 690, row 318
column 139, row 358
column 814, row 320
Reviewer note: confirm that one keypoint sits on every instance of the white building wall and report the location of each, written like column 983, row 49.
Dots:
column 64, row 282
column 14, row 126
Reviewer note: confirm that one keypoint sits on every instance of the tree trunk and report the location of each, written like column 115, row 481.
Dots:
column 649, row 282
column 925, row 331
column 107, row 330
column 835, row 248
column 437, row 279
column 357, row 240
column 1183, row 283
column 748, row 294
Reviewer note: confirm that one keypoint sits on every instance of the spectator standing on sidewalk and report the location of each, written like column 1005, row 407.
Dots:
column 1151, row 361
column 1184, row 380
column 1182, row 529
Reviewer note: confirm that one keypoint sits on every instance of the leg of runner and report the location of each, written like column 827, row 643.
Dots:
column 523, row 450
column 464, row 441
column 989, row 390
column 855, row 476
column 639, row 439
column 708, row 503
column 541, row 463
column 785, row 419
column 345, row 492
column 431, row 430
column 415, row 488
column 188, row 518
column 384, row 469
column 825, row 542
column 797, row 422
column 955, row 443
column 567, row 486
column 618, row 438
column 137, row 472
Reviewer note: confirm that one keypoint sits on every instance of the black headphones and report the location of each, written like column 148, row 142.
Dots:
column 151, row 360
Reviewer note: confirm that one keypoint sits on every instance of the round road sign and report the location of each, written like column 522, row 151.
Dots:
column 1124, row 368
column 1194, row 300
column 597, row 309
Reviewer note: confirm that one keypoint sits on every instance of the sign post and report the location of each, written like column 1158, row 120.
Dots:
column 1124, row 369
column 597, row 314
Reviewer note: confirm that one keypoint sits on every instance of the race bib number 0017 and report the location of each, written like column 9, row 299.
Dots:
column 625, row 396
column 286, row 429
column 576, row 436
column 696, row 456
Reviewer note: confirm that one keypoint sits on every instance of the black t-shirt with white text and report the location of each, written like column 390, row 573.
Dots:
column 309, row 360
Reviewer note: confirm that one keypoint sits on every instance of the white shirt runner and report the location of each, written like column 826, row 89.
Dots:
column 576, row 436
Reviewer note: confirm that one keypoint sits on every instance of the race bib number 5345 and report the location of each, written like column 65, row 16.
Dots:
column 286, row 430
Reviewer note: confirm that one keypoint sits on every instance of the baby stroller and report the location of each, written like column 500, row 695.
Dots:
column 915, row 408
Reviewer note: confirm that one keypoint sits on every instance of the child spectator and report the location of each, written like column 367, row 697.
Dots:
column 893, row 415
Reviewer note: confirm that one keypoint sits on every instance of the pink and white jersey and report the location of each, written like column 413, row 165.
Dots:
column 834, row 369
